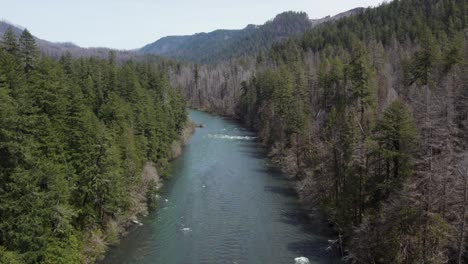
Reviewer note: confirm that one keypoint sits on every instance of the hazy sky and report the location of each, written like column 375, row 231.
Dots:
column 129, row 24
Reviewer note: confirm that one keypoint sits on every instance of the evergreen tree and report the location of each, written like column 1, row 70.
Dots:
column 28, row 50
column 424, row 60
column 10, row 42
column 359, row 74
column 396, row 137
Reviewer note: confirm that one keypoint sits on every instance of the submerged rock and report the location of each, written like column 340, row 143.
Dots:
column 302, row 260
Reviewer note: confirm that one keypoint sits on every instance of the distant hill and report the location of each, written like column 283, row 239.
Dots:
column 209, row 47
column 56, row 49
column 225, row 44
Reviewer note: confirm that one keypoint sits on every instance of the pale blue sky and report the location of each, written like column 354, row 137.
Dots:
column 129, row 24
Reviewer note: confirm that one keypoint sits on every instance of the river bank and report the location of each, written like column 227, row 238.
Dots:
column 150, row 183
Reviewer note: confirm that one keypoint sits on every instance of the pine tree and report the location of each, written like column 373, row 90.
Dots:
column 424, row 60
column 396, row 136
column 359, row 74
column 28, row 50
column 10, row 41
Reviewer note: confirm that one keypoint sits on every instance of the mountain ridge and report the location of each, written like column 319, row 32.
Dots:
column 57, row 49
column 225, row 44
column 203, row 47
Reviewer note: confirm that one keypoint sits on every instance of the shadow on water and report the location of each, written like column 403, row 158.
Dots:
column 273, row 173
column 315, row 250
column 253, row 150
column 316, row 247
column 285, row 191
column 310, row 222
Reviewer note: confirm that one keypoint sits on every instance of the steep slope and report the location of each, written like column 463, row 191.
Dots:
column 75, row 137
column 221, row 45
column 369, row 115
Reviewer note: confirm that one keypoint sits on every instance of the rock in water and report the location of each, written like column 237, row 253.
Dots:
column 302, row 260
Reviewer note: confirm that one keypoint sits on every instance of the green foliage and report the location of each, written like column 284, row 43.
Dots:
column 8, row 257
column 277, row 95
column 454, row 54
column 74, row 135
column 151, row 198
column 424, row 60
column 28, row 50
column 396, row 137
column 10, row 42
column 65, row 250
column 222, row 45
column 325, row 103
column 359, row 74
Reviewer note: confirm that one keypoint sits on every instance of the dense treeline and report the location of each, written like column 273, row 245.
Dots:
column 370, row 115
column 231, row 56
column 74, row 137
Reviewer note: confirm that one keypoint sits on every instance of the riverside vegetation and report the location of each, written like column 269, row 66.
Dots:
column 74, row 137
column 369, row 114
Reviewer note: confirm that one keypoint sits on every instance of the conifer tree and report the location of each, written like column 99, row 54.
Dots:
column 10, row 41
column 424, row 60
column 396, row 136
column 28, row 50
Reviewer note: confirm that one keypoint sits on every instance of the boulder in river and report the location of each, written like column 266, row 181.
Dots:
column 301, row 260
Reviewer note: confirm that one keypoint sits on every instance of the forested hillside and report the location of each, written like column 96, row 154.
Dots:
column 216, row 87
column 369, row 114
column 74, row 137
column 224, row 44
column 221, row 45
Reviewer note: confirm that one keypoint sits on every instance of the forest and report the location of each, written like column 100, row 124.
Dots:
column 223, row 45
column 74, row 137
column 366, row 113
column 369, row 116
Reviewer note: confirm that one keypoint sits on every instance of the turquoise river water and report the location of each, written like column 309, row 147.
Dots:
column 225, row 203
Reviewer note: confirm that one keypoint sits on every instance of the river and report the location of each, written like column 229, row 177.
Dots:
column 225, row 203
